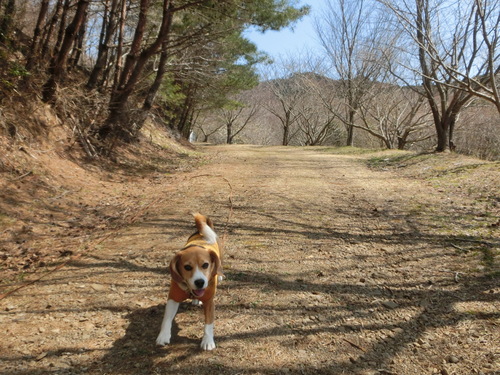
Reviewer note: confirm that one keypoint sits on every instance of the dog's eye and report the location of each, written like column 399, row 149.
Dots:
column 205, row 266
column 188, row 267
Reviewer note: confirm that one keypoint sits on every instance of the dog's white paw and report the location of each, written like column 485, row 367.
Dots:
column 163, row 339
column 220, row 278
column 196, row 302
column 207, row 343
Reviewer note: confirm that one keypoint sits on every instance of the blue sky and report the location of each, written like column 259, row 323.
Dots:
column 289, row 41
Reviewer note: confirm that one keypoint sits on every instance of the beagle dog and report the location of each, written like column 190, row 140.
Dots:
column 195, row 270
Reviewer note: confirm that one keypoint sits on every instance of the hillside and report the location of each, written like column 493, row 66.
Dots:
column 53, row 196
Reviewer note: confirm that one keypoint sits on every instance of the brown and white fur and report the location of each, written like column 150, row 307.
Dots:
column 195, row 270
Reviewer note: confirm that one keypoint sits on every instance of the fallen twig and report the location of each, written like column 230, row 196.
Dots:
column 22, row 176
column 459, row 248
column 355, row 345
column 61, row 195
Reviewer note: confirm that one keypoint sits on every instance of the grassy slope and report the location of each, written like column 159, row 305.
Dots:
column 52, row 196
column 472, row 190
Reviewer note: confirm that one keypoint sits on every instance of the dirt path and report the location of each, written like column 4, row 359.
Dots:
column 331, row 269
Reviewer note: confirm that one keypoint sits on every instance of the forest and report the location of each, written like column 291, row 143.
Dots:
column 419, row 75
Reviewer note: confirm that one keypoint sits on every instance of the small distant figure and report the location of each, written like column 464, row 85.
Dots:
column 192, row 137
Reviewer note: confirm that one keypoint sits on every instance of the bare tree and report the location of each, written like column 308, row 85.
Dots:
column 395, row 115
column 236, row 117
column 350, row 33
column 454, row 61
column 208, row 126
column 316, row 128
column 477, row 132
column 284, row 80
column 287, row 93
column 470, row 62
column 317, row 123
column 489, row 20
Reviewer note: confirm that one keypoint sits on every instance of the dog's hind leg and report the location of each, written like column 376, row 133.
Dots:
column 166, row 325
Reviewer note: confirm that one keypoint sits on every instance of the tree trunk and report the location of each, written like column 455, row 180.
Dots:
column 119, row 48
column 403, row 139
column 35, row 43
column 77, row 48
column 387, row 143
column 350, row 135
column 401, row 143
column 116, row 116
column 229, row 138
column 49, row 31
column 134, row 66
column 133, row 55
column 286, row 132
column 183, row 124
column 451, row 144
column 6, row 20
column 443, row 141
column 286, row 122
column 350, row 129
column 107, row 32
column 58, row 66
column 162, row 69
column 62, row 25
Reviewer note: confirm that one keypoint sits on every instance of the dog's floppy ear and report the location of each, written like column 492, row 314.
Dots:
column 217, row 270
column 174, row 269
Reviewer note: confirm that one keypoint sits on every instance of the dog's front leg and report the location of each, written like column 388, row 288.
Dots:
column 208, row 343
column 166, row 325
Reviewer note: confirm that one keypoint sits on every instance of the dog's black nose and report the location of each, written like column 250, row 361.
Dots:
column 200, row 283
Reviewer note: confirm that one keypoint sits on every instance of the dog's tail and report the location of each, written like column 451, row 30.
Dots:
column 205, row 228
